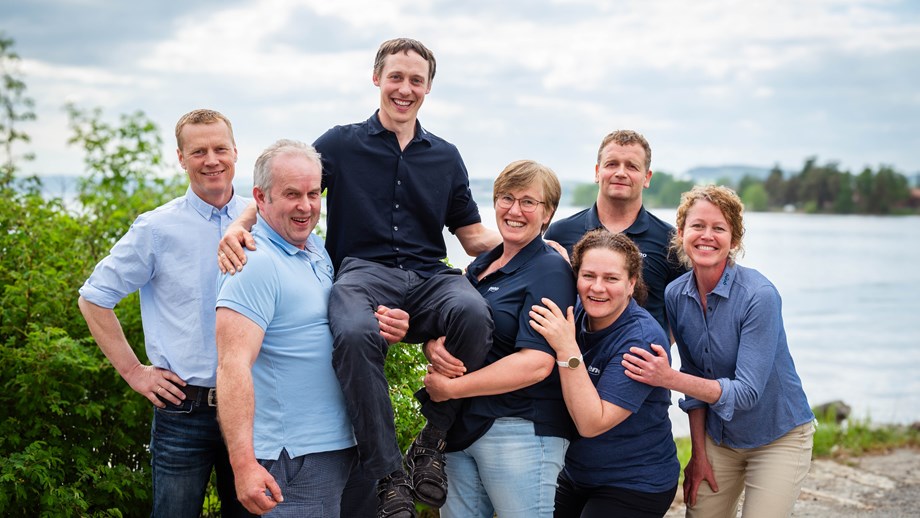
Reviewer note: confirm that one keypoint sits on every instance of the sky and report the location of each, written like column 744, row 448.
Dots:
column 708, row 82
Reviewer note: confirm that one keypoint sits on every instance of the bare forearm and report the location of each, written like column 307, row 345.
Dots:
column 236, row 411
column 476, row 239
column 591, row 414
column 698, row 388
column 697, row 418
column 107, row 331
column 515, row 371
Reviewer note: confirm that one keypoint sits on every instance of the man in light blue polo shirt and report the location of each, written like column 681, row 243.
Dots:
column 282, row 408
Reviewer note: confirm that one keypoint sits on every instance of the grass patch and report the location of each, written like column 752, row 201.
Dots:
column 854, row 437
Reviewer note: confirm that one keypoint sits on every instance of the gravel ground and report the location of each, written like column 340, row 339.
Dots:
column 874, row 486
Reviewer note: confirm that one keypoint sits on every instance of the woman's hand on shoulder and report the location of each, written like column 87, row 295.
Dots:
column 652, row 368
column 557, row 328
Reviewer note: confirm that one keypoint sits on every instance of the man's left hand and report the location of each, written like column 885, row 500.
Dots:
column 394, row 323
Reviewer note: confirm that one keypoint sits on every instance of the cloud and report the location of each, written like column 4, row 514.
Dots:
column 707, row 82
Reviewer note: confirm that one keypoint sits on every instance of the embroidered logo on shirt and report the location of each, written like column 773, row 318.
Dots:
column 593, row 370
column 493, row 289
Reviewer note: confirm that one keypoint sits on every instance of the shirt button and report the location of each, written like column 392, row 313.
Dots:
column 398, row 182
column 395, row 229
column 397, row 205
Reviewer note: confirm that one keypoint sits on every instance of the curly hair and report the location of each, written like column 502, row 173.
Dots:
column 732, row 209
column 618, row 243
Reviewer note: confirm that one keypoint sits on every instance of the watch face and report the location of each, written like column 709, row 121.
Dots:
column 574, row 362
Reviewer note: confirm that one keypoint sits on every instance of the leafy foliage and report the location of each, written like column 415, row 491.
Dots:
column 404, row 369
column 73, row 435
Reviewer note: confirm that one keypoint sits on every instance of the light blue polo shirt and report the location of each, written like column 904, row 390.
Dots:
column 299, row 404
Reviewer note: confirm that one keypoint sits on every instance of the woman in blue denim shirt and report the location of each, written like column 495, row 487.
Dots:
column 750, row 423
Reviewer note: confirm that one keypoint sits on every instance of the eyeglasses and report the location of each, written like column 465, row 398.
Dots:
column 506, row 201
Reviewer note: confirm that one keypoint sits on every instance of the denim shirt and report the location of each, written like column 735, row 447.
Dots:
column 739, row 341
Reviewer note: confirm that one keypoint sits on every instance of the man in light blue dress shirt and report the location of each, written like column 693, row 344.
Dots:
column 289, row 437
column 167, row 254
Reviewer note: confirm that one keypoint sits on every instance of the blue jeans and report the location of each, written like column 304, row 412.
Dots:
column 312, row 485
column 185, row 444
column 509, row 471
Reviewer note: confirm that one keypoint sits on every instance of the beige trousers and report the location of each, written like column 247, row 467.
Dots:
column 770, row 476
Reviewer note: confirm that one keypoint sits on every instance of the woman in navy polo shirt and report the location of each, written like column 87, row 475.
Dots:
column 625, row 462
column 750, row 423
column 508, row 443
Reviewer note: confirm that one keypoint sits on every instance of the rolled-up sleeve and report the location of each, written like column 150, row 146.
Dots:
column 129, row 266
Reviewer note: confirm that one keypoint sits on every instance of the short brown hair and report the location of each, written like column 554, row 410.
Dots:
column 625, row 138
column 404, row 45
column 524, row 173
column 201, row 116
column 619, row 243
column 728, row 203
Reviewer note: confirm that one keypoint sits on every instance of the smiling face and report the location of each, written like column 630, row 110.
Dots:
column 604, row 286
column 518, row 228
column 621, row 173
column 706, row 236
column 403, row 83
column 292, row 206
column 208, row 156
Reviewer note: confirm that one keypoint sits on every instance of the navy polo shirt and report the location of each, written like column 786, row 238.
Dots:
column 639, row 453
column 388, row 205
column 649, row 233
column 536, row 271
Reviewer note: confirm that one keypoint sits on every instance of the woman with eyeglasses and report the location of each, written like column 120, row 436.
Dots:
column 507, row 447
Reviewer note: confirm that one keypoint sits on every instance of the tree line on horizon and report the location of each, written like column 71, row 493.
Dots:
column 816, row 189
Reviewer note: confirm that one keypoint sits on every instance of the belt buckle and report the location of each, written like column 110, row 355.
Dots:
column 212, row 397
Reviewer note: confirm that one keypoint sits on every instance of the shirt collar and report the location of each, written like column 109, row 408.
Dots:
column 519, row 259
column 374, row 127
column 204, row 208
column 722, row 289
column 638, row 226
column 263, row 228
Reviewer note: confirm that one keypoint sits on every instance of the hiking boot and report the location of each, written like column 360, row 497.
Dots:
column 425, row 462
column 394, row 497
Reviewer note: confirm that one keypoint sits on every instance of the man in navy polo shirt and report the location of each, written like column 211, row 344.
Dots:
column 392, row 188
column 623, row 170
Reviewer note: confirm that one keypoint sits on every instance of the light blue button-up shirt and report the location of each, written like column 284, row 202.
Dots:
column 299, row 405
column 170, row 255
column 738, row 340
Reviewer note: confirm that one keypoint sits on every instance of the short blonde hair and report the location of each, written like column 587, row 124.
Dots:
column 202, row 116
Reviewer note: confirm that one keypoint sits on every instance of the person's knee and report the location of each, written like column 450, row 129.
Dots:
column 356, row 340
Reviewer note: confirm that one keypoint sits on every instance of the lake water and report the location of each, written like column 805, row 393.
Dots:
column 851, row 304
